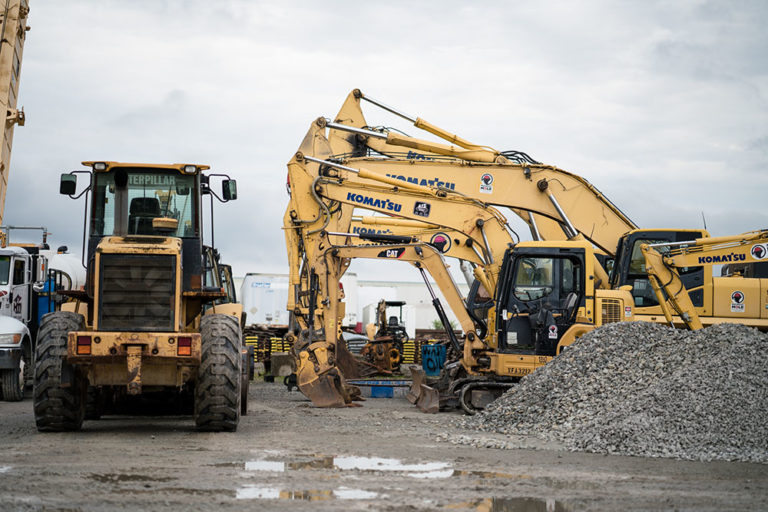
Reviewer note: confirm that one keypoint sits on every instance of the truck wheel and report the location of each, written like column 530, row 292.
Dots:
column 217, row 391
column 13, row 381
column 57, row 407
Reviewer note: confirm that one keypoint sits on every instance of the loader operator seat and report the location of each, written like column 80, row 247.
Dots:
column 140, row 215
column 394, row 321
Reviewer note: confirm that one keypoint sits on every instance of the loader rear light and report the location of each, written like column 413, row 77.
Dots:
column 83, row 345
column 184, row 346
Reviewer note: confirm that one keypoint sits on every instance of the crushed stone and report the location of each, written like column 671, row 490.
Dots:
column 645, row 389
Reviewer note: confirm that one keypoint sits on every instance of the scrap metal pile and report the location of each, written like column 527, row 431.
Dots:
column 647, row 390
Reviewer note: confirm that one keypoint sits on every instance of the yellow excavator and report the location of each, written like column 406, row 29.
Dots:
column 737, row 299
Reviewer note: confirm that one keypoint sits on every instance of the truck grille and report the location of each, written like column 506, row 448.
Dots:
column 611, row 311
column 136, row 292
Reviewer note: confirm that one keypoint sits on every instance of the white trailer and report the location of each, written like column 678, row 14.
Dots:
column 264, row 297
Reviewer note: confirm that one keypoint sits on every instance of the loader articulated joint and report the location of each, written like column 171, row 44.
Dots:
column 542, row 185
column 479, row 223
column 321, row 122
column 357, row 93
column 299, row 156
column 470, row 336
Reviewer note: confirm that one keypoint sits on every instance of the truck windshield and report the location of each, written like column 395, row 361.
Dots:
column 5, row 269
column 149, row 194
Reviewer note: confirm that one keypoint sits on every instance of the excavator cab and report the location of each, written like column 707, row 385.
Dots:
column 542, row 289
column 630, row 266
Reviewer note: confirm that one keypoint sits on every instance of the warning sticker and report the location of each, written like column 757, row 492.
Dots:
column 486, row 183
column 627, row 311
column 553, row 332
column 737, row 302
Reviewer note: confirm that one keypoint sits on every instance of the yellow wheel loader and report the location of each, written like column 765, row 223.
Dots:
column 147, row 326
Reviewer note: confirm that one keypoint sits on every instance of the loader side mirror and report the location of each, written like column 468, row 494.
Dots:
column 68, row 184
column 229, row 190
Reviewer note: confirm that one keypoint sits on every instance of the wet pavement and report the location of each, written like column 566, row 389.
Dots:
column 287, row 455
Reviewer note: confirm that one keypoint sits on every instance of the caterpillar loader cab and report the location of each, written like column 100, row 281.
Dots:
column 143, row 325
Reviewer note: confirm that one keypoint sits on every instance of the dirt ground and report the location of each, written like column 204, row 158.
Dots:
column 287, row 455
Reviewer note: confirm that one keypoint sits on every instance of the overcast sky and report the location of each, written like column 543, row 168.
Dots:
column 661, row 105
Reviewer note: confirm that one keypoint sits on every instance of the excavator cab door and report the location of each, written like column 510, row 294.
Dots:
column 541, row 291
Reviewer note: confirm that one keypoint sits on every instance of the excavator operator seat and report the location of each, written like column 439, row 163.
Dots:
column 140, row 215
column 570, row 304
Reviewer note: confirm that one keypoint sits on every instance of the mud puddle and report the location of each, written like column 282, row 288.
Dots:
column 512, row 505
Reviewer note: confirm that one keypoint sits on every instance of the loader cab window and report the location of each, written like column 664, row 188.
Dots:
column 147, row 195
column 5, row 269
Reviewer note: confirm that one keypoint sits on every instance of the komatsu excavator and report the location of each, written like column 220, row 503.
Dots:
column 734, row 299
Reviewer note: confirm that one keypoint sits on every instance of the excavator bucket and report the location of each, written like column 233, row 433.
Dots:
column 429, row 399
column 419, row 378
column 424, row 397
column 325, row 390
column 346, row 361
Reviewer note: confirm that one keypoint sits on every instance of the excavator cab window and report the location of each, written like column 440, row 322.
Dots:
column 630, row 270
column 541, row 301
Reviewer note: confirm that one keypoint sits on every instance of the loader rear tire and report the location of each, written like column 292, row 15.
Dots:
column 218, row 387
column 59, row 391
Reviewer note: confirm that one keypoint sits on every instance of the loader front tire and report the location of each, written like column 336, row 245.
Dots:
column 218, row 387
column 59, row 389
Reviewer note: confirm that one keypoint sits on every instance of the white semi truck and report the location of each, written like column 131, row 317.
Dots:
column 29, row 279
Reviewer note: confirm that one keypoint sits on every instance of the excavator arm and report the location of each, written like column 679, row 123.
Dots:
column 321, row 371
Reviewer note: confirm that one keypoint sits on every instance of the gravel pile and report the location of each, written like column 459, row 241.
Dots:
column 645, row 389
